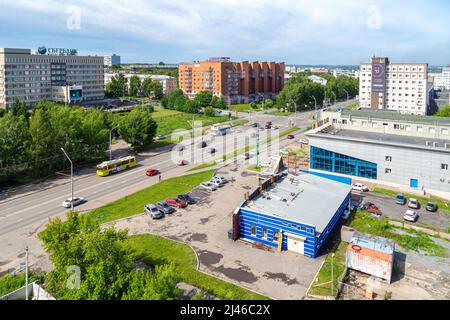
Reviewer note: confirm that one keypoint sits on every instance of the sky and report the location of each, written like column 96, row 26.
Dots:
column 302, row 32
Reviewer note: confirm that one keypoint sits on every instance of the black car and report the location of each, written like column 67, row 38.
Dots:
column 246, row 156
column 186, row 198
column 255, row 125
column 202, row 144
column 431, row 207
column 164, row 207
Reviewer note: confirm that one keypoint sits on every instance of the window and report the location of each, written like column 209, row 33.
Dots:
column 419, row 129
column 276, row 236
column 387, row 170
column 253, row 231
column 388, row 158
column 432, row 130
column 396, row 126
column 264, row 233
column 444, row 166
column 444, row 131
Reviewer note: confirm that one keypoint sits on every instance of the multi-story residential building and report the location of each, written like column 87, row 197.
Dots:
column 403, row 87
column 64, row 77
column 384, row 147
column 319, row 80
column 169, row 83
column 345, row 72
column 441, row 81
column 236, row 82
column 112, row 60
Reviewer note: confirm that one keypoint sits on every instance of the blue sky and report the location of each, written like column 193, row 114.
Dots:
column 294, row 31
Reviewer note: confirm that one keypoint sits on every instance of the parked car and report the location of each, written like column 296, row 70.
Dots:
column 246, row 156
column 221, row 179
column 186, row 198
column 211, row 150
column 303, row 141
column 76, row 202
column 431, row 207
column 165, row 207
column 208, row 186
column 255, row 125
column 152, row 172
column 202, row 144
column 218, row 182
column 182, row 162
column 359, row 187
column 275, row 127
column 411, row 216
column 153, row 211
column 413, row 203
column 345, row 215
column 175, row 202
column 290, row 136
column 178, row 147
column 400, row 199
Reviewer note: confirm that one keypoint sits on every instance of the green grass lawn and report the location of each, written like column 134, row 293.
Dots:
column 254, row 168
column 416, row 241
column 441, row 203
column 171, row 120
column 353, row 105
column 280, row 113
column 322, row 285
column 134, row 203
column 156, row 250
column 203, row 166
column 243, row 107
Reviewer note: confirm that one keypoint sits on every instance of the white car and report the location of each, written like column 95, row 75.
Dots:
column 219, row 179
column 208, row 186
column 76, row 201
column 411, row 216
column 359, row 187
column 413, row 203
column 303, row 141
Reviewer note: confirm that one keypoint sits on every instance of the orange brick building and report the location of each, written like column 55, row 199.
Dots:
column 236, row 82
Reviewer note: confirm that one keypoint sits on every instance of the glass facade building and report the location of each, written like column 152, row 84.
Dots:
column 326, row 160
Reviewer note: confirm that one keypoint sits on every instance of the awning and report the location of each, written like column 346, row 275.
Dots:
column 295, row 236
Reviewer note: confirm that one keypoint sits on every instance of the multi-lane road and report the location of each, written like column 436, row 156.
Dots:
column 22, row 208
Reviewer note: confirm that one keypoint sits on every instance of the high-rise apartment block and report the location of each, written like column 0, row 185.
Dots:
column 236, row 82
column 403, row 87
column 49, row 74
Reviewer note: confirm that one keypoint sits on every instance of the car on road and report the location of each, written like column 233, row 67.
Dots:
column 153, row 211
column 187, row 198
column 178, row 147
column 159, row 138
column 413, row 203
column 303, row 141
column 411, row 216
column 175, row 202
column 76, row 201
column 152, row 172
column 221, row 179
column 400, row 199
column 182, row 162
column 275, row 127
column 165, row 207
column 217, row 181
column 290, row 136
column 255, row 125
column 208, row 186
column 202, row 144
column 359, row 187
column 211, row 150
column 431, row 207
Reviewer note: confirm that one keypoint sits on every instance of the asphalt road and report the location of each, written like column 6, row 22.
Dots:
column 21, row 209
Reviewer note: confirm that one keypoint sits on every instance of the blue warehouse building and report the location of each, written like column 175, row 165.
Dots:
column 295, row 213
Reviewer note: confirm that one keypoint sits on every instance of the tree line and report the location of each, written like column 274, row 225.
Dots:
column 31, row 141
column 302, row 93
column 119, row 86
column 203, row 100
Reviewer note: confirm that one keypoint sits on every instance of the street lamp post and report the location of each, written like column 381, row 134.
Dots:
column 346, row 93
column 334, row 97
column 71, row 179
column 315, row 103
column 26, row 273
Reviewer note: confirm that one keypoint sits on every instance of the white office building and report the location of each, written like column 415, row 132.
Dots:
column 441, row 81
column 112, row 60
column 319, row 80
column 402, row 87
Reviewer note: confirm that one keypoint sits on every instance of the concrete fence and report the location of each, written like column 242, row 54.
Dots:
column 434, row 233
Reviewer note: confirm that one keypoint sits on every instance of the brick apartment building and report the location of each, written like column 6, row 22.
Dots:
column 236, row 82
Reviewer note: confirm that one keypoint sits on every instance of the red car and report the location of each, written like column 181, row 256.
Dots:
column 290, row 136
column 175, row 202
column 152, row 172
column 182, row 162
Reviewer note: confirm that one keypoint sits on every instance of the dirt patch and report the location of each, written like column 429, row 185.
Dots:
column 199, row 237
column 280, row 276
column 23, row 254
column 209, row 258
column 2, row 263
column 239, row 274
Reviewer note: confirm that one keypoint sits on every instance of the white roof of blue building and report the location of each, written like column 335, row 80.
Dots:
column 306, row 199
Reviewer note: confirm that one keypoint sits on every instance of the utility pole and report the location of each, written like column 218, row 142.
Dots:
column 315, row 103
column 71, row 179
column 346, row 93
column 334, row 97
column 26, row 273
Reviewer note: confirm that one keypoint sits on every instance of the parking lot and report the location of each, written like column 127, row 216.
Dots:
column 204, row 226
column 387, row 205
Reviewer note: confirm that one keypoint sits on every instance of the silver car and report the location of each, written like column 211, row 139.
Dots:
column 76, row 201
column 208, row 186
column 153, row 211
column 413, row 203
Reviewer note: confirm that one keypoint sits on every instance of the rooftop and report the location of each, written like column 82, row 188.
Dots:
column 305, row 198
column 373, row 242
column 393, row 115
column 386, row 138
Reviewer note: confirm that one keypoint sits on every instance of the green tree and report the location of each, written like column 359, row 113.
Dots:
column 135, row 86
column 203, row 99
column 443, row 112
column 254, row 105
column 42, row 142
column 19, row 108
column 152, row 88
column 117, row 87
column 209, row 112
column 269, row 104
column 138, row 127
column 218, row 103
